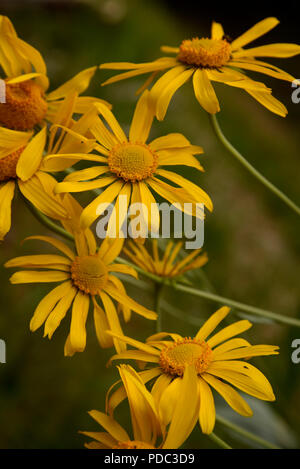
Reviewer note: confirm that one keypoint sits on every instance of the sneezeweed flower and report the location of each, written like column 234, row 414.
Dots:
column 147, row 428
column 24, row 168
column 214, row 59
column 28, row 102
column 130, row 168
column 165, row 266
column 85, row 276
column 216, row 360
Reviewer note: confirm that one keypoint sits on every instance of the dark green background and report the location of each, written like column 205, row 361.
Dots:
column 251, row 238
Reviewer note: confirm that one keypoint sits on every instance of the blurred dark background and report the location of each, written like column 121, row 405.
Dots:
column 252, row 239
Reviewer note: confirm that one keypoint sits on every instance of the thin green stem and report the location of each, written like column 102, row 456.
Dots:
column 216, row 298
column 249, row 167
column 241, row 431
column 221, row 443
column 240, row 306
column 44, row 220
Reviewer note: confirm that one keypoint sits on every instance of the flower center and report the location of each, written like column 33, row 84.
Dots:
column 8, row 165
column 89, row 274
column 174, row 358
column 204, row 52
column 132, row 161
column 25, row 106
column 133, row 445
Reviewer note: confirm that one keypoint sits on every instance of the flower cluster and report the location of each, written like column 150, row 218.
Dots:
column 43, row 134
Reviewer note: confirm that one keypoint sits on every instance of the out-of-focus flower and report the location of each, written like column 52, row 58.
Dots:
column 167, row 266
column 28, row 102
column 214, row 59
column 216, row 361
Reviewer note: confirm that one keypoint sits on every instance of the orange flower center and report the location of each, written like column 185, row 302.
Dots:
column 25, row 106
column 204, row 52
column 132, row 161
column 174, row 358
column 8, row 165
column 89, row 274
column 133, row 445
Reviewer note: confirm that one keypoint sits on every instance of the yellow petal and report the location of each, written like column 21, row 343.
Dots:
column 217, row 31
column 269, row 102
column 205, row 92
column 47, row 304
column 229, row 331
column 91, row 212
column 260, row 28
column 110, row 425
column 79, row 316
column 231, row 396
column 270, row 50
column 6, row 195
column 210, row 325
column 207, row 413
column 169, row 91
column 113, row 321
column 31, row 157
column 78, row 83
column 142, row 120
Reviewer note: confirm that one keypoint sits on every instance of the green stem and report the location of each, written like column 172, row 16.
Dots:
column 245, row 433
column 241, row 306
column 216, row 439
column 44, row 220
column 216, row 298
column 249, row 167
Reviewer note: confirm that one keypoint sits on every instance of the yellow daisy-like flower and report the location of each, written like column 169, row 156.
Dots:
column 24, row 167
column 167, row 265
column 214, row 59
column 26, row 83
column 215, row 360
column 85, row 276
column 147, row 427
column 132, row 168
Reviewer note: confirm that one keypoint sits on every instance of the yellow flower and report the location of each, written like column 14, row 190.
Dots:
column 24, row 167
column 131, row 167
column 85, row 276
column 27, row 101
column 147, row 427
column 215, row 360
column 165, row 266
column 218, row 59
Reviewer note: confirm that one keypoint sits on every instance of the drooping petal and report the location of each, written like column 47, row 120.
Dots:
column 207, row 413
column 185, row 412
column 205, row 92
column 47, row 304
column 231, row 396
column 79, row 316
